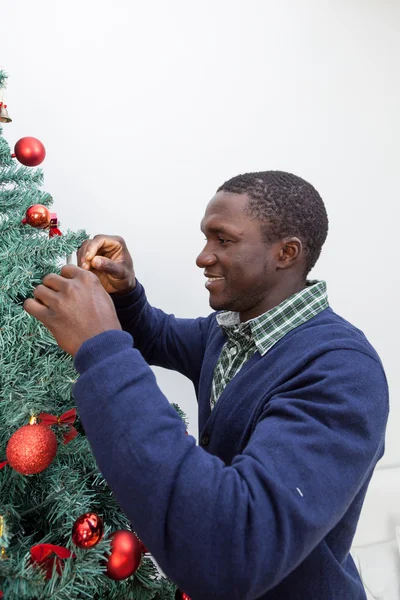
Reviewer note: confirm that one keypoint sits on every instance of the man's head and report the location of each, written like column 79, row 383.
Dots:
column 264, row 234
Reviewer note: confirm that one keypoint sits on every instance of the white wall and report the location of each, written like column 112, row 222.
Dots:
column 146, row 107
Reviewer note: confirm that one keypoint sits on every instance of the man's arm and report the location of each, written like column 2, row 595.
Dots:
column 232, row 532
column 163, row 339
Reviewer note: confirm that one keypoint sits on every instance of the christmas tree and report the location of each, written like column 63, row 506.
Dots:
column 57, row 515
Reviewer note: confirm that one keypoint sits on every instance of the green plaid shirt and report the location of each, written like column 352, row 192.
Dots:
column 261, row 333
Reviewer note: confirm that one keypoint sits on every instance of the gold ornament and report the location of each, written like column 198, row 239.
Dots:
column 3, row 554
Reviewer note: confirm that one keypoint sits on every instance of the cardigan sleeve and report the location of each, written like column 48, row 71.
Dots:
column 163, row 340
column 233, row 532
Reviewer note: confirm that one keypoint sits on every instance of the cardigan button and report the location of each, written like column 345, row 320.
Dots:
column 205, row 440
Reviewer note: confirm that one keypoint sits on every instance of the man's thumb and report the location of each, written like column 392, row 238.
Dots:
column 106, row 265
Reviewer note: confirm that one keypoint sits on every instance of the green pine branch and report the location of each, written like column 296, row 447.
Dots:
column 37, row 376
column 3, row 78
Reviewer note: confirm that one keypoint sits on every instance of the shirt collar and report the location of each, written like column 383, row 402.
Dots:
column 271, row 326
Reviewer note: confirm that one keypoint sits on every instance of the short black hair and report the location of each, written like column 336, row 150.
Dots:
column 288, row 204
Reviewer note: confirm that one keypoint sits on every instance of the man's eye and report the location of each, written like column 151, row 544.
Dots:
column 223, row 241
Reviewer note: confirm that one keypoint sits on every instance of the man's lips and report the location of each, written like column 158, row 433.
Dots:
column 212, row 279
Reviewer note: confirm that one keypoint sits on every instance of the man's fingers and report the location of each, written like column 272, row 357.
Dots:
column 36, row 309
column 53, row 281
column 70, row 272
column 100, row 244
column 103, row 245
column 88, row 250
column 57, row 282
column 80, row 255
column 43, row 295
column 112, row 267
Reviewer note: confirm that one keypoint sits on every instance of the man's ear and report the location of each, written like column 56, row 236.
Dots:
column 290, row 252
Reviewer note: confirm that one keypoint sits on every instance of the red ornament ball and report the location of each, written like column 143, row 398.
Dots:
column 31, row 449
column 29, row 151
column 88, row 530
column 125, row 555
column 37, row 216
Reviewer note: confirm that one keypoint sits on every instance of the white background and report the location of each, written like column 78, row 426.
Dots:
column 145, row 108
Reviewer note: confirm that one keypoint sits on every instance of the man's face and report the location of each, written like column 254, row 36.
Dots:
column 238, row 263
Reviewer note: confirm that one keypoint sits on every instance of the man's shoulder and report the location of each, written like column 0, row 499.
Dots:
column 330, row 331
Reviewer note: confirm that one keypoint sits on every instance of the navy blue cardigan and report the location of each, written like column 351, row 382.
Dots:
column 267, row 506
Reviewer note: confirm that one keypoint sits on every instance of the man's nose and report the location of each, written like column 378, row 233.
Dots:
column 206, row 259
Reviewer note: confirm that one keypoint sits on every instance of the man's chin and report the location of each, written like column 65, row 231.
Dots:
column 219, row 304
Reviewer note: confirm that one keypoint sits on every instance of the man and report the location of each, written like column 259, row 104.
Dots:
column 293, row 401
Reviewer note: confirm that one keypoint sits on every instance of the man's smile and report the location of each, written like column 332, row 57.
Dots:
column 212, row 280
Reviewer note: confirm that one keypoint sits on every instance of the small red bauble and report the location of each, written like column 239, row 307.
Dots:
column 31, row 449
column 125, row 555
column 29, row 151
column 88, row 530
column 37, row 216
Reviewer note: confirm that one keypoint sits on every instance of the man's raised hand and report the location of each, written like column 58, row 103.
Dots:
column 108, row 258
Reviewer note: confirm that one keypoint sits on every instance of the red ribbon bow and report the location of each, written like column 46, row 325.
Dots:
column 42, row 555
column 54, row 225
column 66, row 419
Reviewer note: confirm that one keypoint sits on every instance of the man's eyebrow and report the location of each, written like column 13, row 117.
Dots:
column 218, row 229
